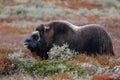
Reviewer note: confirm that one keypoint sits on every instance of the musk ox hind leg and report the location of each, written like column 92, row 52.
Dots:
column 106, row 46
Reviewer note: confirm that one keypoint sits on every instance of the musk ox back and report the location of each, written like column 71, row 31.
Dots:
column 89, row 39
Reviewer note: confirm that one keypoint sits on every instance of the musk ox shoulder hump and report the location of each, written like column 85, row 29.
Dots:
column 70, row 25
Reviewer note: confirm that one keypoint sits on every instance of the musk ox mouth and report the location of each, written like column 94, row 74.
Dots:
column 26, row 45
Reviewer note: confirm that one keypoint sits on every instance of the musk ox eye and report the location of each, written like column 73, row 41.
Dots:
column 35, row 37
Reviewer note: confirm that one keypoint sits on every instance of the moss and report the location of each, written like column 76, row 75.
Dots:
column 75, row 68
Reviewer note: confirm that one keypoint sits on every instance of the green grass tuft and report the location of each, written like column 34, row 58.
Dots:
column 50, row 67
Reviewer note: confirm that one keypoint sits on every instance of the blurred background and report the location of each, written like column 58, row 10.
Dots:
column 20, row 17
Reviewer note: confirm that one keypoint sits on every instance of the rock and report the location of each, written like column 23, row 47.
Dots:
column 90, row 68
column 116, row 69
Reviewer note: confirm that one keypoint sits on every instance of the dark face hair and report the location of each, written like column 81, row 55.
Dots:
column 32, row 41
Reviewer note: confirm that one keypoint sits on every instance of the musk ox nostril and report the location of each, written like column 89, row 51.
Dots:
column 27, row 40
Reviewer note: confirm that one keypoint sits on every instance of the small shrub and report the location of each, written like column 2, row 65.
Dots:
column 6, row 50
column 61, row 52
column 103, row 59
column 81, row 58
column 21, row 57
column 62, row 76
column 7, row 66
column 114, row 63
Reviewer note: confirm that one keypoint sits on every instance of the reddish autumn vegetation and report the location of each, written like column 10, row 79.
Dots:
column 113, row 76
column 6, row 64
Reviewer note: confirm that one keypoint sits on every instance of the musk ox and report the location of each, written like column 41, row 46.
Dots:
column 89, row 39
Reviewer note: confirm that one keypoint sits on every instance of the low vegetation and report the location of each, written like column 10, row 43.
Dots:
column 79, row 66
column 50, row 67
column 62, row 53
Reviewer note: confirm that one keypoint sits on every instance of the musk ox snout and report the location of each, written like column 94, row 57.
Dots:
column 32, row 41
column 26, row 42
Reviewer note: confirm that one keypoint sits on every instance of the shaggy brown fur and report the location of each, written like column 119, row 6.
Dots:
column 90, row 39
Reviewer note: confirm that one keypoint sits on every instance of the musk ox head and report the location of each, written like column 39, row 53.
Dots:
column 32, row 41
column 40, row 39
